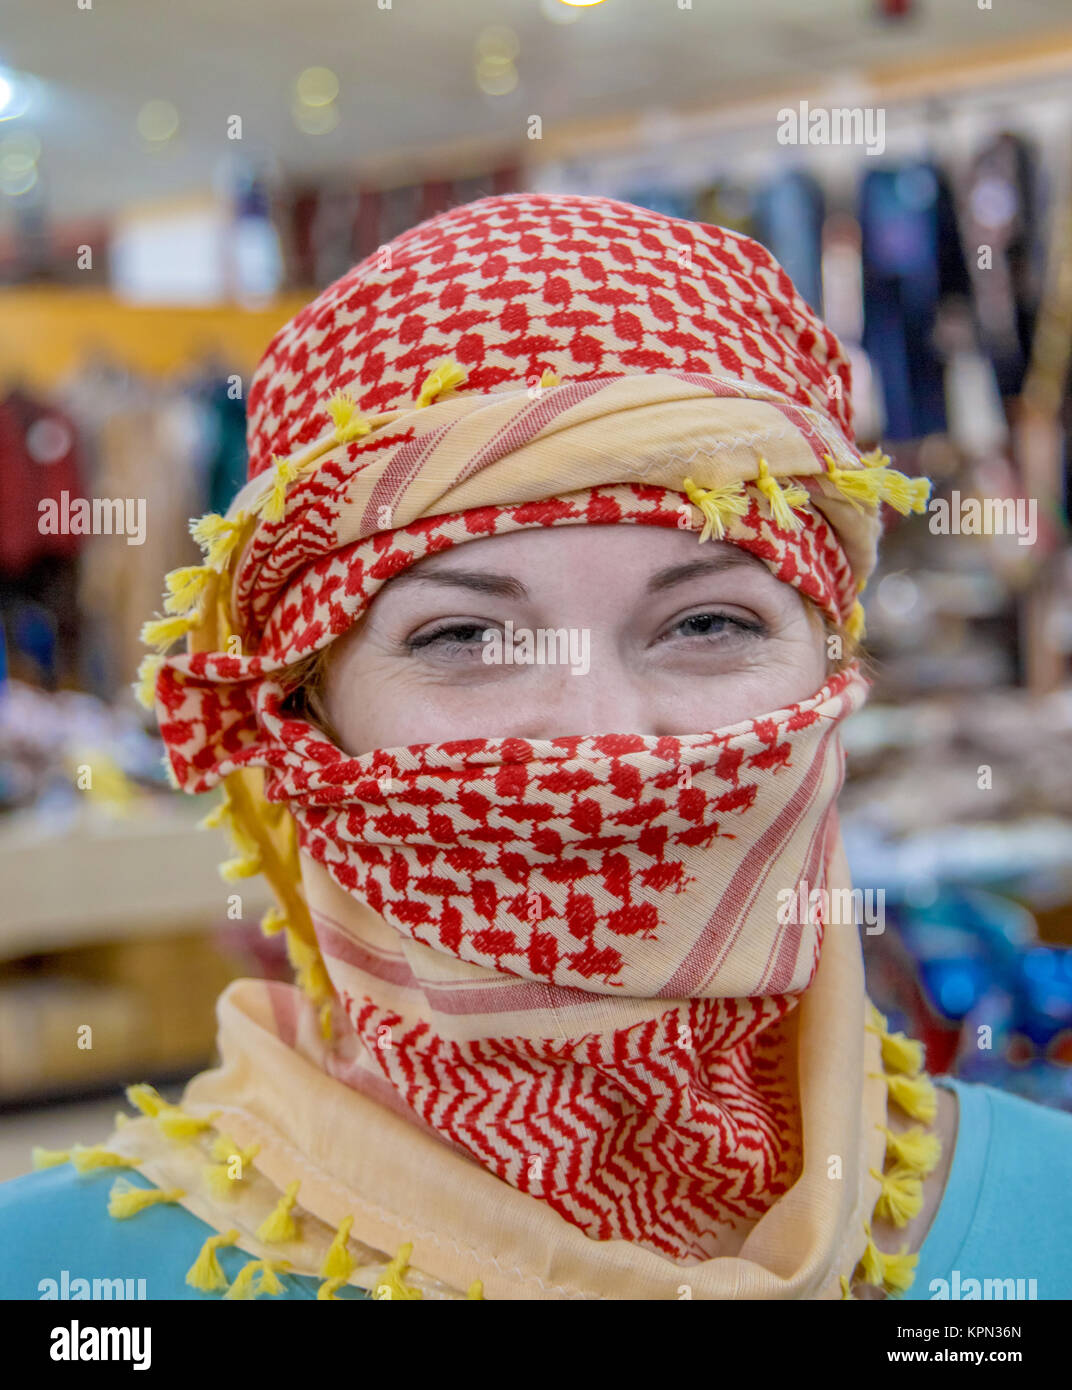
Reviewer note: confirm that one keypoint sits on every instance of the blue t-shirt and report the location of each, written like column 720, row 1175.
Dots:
column 1006, row 1215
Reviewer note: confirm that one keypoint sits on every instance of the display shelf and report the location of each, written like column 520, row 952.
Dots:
column 109, row 881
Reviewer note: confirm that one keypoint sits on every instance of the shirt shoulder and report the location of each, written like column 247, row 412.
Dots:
column 59, row 1242
column 1001, row 1230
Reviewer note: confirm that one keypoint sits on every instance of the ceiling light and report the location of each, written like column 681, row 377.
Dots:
column 157, row 122
column 317, row 87
column 15, row 91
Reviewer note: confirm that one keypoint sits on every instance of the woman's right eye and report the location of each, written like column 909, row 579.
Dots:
column 455, row 635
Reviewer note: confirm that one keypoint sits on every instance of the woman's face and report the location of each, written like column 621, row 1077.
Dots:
column 651, row 633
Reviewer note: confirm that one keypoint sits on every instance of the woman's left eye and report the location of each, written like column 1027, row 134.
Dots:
column 460, row 634
column 718, row 626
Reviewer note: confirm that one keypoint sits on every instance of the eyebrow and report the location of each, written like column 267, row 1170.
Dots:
column 507, row 586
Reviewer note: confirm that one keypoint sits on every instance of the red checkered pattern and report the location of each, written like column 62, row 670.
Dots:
column 587, row 286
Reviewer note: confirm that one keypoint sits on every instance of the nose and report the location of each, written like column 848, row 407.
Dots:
column 605, row 698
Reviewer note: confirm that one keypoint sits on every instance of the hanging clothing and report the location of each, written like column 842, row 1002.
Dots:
column 912, row 258
column 788, row 220
column 1003, row 215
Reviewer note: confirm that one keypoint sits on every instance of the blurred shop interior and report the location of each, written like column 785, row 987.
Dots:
column 173, row 189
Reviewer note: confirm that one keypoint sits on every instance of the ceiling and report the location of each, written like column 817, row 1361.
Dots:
column 406, row 74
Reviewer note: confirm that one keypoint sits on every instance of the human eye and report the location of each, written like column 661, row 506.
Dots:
column 713, row 627
column 449, row 640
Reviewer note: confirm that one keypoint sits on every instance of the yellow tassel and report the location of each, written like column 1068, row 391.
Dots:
column 49, row 1158
column 915, row 1095
column 215, row 817
column 718, row 505
column 894, row 1273
column 164, row 632
column 898, row 1271
column 326, row 1020
column 876, row 482
column 914, row 1148
column 901, row 1053
column 338, row 1262
column 549, row 378
column 206, row 1272
column 219, row 1176
column 217, row 537
column 86, row 1159
column 856, row 484
column 176, row 1124
column 273, row 922
column 846, row 1291
column 185, row 587
column 445, row 377
column 126, row 1200
column 146, row 1098
column 902, row 1195
column 476, row 1289
column 327, row 1290
column 224, row 1148
column 243, row 1286
column 145, row 686
column 243, row 866
column 279, row 1225
column 270, row 1282
column 349, row 423
column 781, row 498
column 274, row 503
column 390, row 1285
column 904, row 494
column 121, row 1118
column 308, row 967
column 856, row 622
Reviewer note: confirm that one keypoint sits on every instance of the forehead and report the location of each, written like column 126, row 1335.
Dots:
column 645, row 550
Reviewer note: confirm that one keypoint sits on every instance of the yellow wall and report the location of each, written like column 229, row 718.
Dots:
column 46, row 332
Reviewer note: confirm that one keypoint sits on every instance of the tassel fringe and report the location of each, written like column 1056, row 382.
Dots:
column 279, row 1225
column 390, row 1284
column 445, row 377
column 877, row 482
column 145, row 686
column 218, row 537
column 338, row 1262
column 165, row 632
column 718, row 506
column 894, row 1273
column 126, row 1200
column 902, row 1195
column 185, row 588
column 243, row 1286
column 206, row 1272
column 781, row 498
column 914, row 1149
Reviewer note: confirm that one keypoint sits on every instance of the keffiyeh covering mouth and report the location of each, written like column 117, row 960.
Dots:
column 550, row 1030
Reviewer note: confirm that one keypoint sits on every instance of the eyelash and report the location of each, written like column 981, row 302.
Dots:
column 427, row 639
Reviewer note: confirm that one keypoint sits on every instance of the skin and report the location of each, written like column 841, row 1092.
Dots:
column 683, row 638
column 671, row 652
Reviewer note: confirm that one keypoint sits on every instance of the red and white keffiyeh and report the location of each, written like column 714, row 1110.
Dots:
column 559, row 966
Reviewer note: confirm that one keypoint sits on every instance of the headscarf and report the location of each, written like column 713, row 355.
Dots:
column 552, row 1033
